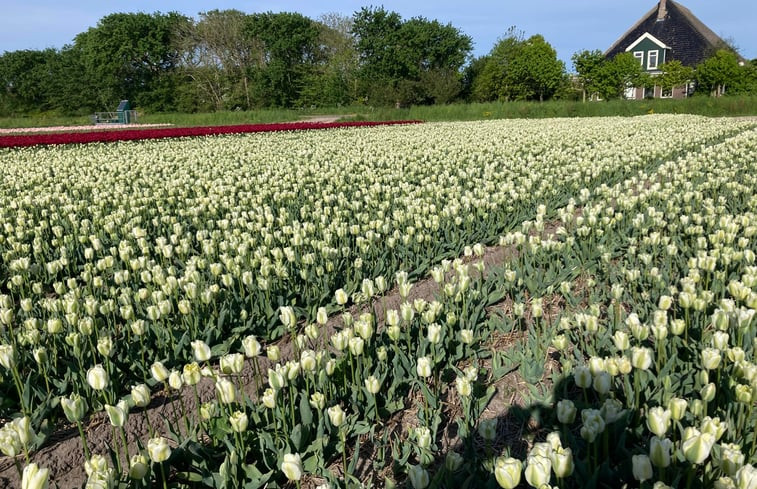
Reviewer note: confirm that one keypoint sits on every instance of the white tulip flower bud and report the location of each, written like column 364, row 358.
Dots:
column 34, row 477
column 97, row 377
column 140, row 395
column 538, row 470
column 226, row 391
column 423, row 367
column 251, row 346
column 507, row 471
column 201, row 350
column 642, row 467
column 418, row 476
column 372, row 385
column 158, row 449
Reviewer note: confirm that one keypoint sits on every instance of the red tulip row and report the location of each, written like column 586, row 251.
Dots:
column 173, row 132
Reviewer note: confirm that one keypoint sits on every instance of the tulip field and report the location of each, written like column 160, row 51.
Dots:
column 528, row 303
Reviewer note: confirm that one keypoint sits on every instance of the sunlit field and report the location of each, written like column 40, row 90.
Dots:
column 545, row 303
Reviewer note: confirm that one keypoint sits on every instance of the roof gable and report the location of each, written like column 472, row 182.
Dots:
column 687, row 38
column 644, row 37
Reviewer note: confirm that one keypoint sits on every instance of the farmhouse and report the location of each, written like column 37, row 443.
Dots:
column 667, row 32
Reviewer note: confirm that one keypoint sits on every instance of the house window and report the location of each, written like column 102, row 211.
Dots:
column 639, row 55
column 652, row 62
column 666, row 93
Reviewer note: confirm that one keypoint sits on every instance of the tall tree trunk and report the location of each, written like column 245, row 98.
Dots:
column 246, row 92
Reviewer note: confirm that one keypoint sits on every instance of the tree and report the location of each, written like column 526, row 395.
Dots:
column 588, row 66
column 674, row 74
column 215, row 56
column 26, row 81
column 289, row 52
column 746, row 82
column 333, row 79
column 131, row 56
column 520, row 69
column 719, row 71
column 377, row 40
column 535, row 71
column 471, row 73
column 618, row 74
column 434, row 54
column 413, row 61
column 72, row 91
column 493, row 81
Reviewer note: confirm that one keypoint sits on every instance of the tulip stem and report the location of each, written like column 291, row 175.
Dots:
column 83, row 439
column 183, row 411
column 149, row 424
column 17, row 380
column 426, row 412
column 118, row 455
column 142, row 351
column 372, row 407
column 754, row 435
column 256, row 374
column 163, row 475
column 240, row 445
column 343, row 436
column 126, row 445
column 344, row 374
column 292, row 393
column 47, row 382
column 198, row 404
column 658, row 362
column 352, row 367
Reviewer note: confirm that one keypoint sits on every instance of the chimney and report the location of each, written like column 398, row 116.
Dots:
column 662, row 11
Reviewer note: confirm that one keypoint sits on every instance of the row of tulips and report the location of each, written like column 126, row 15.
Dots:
column 660, row 350
column 129, row 134
column 321, row 404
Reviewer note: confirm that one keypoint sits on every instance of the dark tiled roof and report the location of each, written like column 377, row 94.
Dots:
column 691, row 41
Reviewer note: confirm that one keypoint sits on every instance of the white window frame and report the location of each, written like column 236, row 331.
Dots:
column 656, row 57
column 649, row 36
column 639, row 55
column 663, row 93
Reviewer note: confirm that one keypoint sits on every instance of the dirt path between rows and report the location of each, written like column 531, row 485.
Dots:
column 326, row 118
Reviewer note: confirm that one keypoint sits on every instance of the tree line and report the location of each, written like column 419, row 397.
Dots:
column 231, row 60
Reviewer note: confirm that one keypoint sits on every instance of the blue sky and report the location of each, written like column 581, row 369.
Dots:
column 568, row 25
